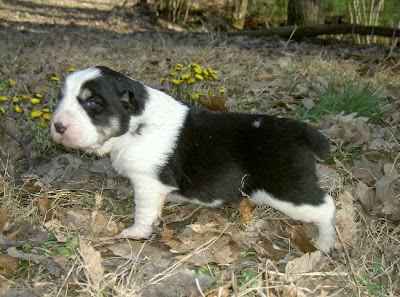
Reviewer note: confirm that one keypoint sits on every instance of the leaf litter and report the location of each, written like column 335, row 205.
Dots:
column 70, row 194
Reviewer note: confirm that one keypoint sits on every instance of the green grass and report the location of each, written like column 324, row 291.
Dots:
column 347, row 97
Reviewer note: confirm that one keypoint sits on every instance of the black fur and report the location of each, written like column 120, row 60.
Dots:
column 219, row 152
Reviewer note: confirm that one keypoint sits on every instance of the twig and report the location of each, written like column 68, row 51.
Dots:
column 23, row 145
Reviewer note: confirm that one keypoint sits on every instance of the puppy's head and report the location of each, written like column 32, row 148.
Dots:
column 96, row 104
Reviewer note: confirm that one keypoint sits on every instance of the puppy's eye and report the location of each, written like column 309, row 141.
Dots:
column 91, row 103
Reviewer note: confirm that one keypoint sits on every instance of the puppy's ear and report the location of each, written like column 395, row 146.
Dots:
column 134, row 95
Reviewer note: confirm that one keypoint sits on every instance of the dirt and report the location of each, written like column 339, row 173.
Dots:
column 57, row 219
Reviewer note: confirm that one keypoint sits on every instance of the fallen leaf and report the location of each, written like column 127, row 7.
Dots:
column 92, row 260
column 166, row 233
column 222, row 291
column 300, row 238
column 345, row 221
column 45, row 208
column 101, row 223
column 265, row 246
column 245, row 211
column 303, row 264
column 8, row 266
column 214, row 103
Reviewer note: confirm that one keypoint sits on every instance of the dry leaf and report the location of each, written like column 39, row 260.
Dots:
column 92, row 260
column 303, row 264
column 245, row 211
column 222, row 291
column 266, row 247
column 45, row 208
column 300, row 238
column 8, row 266
column 166, row 233
column 215, row 103
column 100, row 223
column 345, row 220
column 293, row 291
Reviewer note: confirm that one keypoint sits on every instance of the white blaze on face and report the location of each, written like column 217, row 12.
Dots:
column 80, row 133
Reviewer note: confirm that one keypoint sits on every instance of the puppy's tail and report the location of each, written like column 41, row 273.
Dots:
column 317, row 142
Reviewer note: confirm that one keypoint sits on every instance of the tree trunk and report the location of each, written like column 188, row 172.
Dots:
column 306, row 12
column 239, row 13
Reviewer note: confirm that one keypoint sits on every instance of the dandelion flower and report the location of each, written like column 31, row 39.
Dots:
column 54, row 78
column 197, row 70
column 190, row 81
column 46, row 116
column 71, row 69
column 222, row 90
column 179, row 66
column 3, row 98
column 199, row 77
column 35, row 101
column 15, row 99
column 2, row 110
column 161, row 81
column 186, row 75
column 195, row 96
column 194, row 64
column 205, row 72
column 11, row 82
column 25, row 96
column 173, row 73
column 214, row 76
column 18, row 109
column 46, row 110
column 37, row 95
column 43, row 123
column 176, row 82
column 36, row 113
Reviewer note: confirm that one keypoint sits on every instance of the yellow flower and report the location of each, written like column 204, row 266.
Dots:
column 1, row 89
column 179, row 66
column 193, row 64
column 176, row 82
column 25, row 96
column 37, row 95
column 190, row 81
column 54, row 78
column 195, row 96
column 214, row 76
column 205, row 72
column 46, row 116
column 2, row 110
column 186, row 75
column 173, row 73
column 46, row 110
column 35, row 101
column 199, row 77
column 18, row 109
column 36, row 113
column 11, row 82
column 3, row 98
column 222, row 90
column 43, row 123
column 161, row 81
column 197, row 70
column 212, row 71
column 15, row 99
column 71, row 69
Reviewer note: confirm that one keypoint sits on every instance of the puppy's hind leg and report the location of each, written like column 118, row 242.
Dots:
column 321, row 215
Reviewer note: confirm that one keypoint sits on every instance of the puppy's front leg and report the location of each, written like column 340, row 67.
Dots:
column 148, row 207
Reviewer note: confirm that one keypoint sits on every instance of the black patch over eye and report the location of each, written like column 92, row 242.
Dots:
column 93, row 105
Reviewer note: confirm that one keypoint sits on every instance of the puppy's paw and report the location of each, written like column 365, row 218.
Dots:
column 325, row 244
column 135, row 232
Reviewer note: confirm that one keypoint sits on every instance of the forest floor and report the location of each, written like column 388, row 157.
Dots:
column 58, row 218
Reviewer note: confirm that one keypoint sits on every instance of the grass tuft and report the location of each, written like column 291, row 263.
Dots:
column 348, row 98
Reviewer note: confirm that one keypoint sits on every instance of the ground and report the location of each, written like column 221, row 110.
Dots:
column 58, row 215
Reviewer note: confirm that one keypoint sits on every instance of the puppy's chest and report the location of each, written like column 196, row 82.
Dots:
column 140, row 155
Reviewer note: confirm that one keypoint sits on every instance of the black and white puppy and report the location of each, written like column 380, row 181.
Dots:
column 171, row 151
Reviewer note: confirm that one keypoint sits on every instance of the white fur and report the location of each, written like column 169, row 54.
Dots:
column 162, row 118
column 80, row 133
column 321, row 215
column 176, row 198
column 257, row 123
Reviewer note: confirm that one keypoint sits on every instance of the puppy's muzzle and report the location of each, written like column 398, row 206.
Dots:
column 60, row 128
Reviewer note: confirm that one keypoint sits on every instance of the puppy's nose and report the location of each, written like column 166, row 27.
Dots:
column 59, row 127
